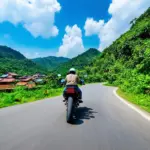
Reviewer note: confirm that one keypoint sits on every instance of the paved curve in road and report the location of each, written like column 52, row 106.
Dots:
column 103, row 123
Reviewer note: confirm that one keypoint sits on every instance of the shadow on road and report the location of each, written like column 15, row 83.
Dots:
column 83, row 113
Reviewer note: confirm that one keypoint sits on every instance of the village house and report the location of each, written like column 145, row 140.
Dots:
column 9, row 75
column 9, row 80
column 12, row 75
column 26, row 81
column 7, row 83
column 39, row 78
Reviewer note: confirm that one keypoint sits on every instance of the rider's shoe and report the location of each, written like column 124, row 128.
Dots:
column 80, row 101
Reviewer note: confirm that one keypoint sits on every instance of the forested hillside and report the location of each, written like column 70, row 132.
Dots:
column 126, row 63
column 50, row 62
column 78, row 62
column 14, row 61
column 6, row 52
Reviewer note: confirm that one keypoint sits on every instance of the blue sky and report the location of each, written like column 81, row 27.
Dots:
column 68, row 28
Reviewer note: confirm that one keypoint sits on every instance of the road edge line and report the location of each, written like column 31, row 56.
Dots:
column 142, row 113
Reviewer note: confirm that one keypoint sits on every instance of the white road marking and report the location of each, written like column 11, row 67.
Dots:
column 142, row 113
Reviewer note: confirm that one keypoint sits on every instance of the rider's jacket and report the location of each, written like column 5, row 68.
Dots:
column 72, row 79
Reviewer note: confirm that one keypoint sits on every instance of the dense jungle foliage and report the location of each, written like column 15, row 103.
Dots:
column 126, row 63
column 50, row 62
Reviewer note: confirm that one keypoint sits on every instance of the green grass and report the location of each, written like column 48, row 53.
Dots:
column 108, row 84
column 21, row 96
column 141, row 100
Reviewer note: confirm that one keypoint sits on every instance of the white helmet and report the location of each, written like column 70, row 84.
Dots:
column 72, row 70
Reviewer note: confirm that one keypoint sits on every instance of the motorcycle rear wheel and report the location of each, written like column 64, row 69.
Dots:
column 69, row 109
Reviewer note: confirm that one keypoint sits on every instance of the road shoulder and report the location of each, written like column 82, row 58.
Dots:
column 141, row 112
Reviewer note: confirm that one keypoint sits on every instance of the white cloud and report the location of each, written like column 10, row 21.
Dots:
column 72, row 42
column 122, row 12
column 37, row 16
column 93, row 27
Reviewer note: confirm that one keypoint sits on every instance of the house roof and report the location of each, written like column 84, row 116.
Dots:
column 39, row 75
column 7, row 80
column 22, row 83
column 12, row 74
column 4, row 76
column 38, row 80
column 26, row 79
column 9, row 75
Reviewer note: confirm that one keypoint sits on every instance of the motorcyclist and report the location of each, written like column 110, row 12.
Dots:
column 72, row 79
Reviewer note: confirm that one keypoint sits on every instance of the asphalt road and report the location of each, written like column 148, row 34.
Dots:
column 103, row 123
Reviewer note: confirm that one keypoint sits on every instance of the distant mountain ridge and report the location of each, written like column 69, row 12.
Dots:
column 10, row 53
column 50, row 62
column 78, row 62
column 13, row 61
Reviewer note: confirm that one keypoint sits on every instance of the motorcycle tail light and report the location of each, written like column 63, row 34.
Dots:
column 70, row 91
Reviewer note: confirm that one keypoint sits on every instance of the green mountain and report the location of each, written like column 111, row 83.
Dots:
column 14, row 61
column 10, row 53
column 126, row 63
column 78, row 62
column 50, row 62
